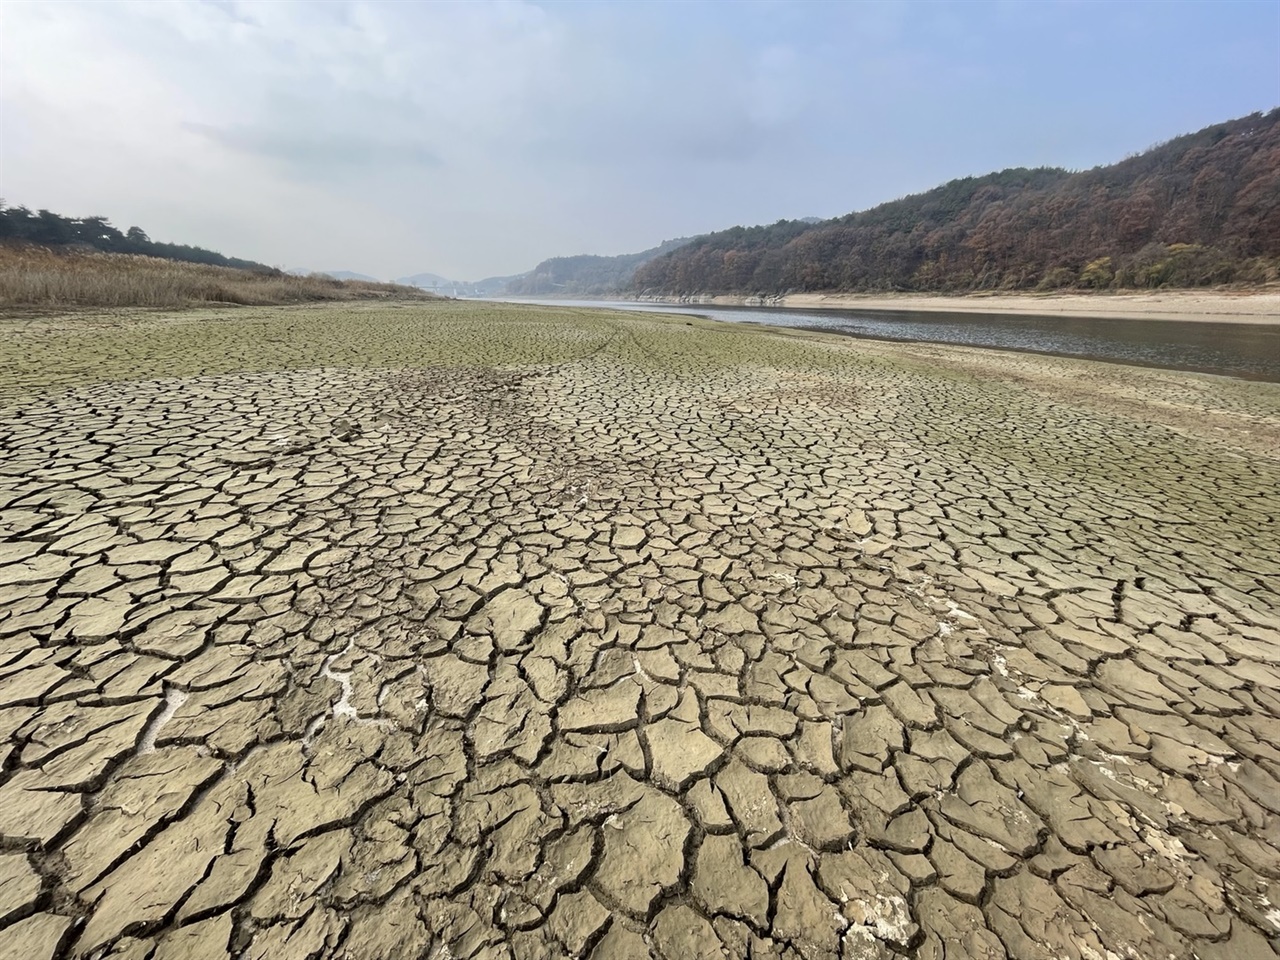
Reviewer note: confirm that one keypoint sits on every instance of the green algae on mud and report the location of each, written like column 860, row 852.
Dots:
column 486, row 630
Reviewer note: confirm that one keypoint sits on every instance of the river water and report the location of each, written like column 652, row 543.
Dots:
column 1250, row 351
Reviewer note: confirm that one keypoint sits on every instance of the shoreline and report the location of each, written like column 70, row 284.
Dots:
column 1189, row 306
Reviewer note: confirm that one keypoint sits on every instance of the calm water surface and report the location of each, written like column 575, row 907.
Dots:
column 1250, row 351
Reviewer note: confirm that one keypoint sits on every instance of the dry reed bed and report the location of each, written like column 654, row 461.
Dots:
column 38, row 276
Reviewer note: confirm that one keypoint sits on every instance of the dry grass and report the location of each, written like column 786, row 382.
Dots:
column 33, row 276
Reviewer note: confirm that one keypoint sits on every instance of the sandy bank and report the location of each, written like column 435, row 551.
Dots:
column 1205, row 307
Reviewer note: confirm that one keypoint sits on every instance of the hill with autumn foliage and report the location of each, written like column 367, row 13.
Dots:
column 1201, row 209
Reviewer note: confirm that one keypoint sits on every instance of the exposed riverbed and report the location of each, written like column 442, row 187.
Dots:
column 505, row 631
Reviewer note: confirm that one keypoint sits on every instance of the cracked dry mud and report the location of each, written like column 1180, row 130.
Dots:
column 482, row 631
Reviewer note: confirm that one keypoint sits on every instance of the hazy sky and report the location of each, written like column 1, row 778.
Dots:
column 473, row 139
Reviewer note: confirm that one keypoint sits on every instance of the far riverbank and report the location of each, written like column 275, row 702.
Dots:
column 1189, row 305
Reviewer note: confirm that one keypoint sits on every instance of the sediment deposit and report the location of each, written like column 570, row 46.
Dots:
column 471, row 631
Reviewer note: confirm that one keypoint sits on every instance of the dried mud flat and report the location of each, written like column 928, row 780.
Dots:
column 479, row 631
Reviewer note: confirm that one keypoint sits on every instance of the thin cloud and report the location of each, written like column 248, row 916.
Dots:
column 310, row 154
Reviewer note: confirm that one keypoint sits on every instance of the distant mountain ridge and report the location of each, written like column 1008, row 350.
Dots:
column 333, row 274
column 427, row 281
column 488, row 287
column 1201, row 209
column 587, row 274
column 350, row 275
column 581, row 276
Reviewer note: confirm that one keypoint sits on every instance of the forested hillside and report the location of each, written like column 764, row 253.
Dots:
column 52, row 230
column 585, row 275
column 1200, row 209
